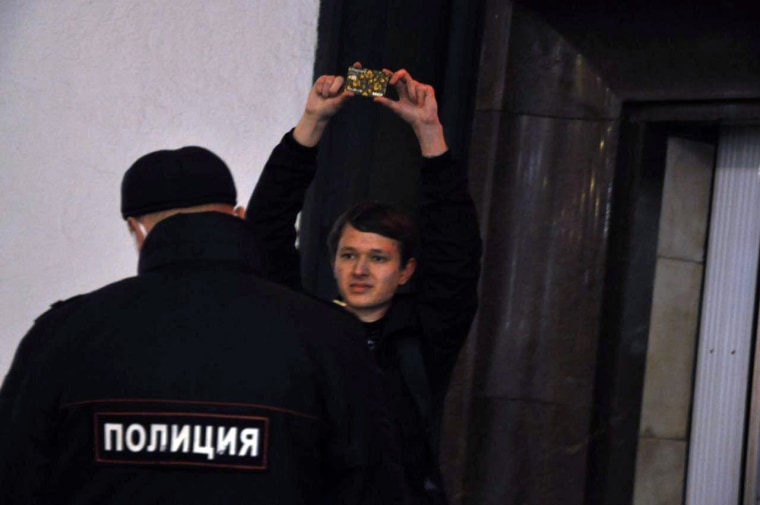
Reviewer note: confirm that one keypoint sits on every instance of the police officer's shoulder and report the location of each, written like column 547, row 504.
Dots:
column 335, row 307
column 347, row 338
column 335, row 314
column 104, row 294
column 57, row 307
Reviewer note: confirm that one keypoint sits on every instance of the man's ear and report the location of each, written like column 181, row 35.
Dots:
column 407, row 271
column 239, row 212
column 139, row 231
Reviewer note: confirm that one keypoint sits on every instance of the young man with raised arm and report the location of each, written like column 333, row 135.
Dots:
column 375, row 249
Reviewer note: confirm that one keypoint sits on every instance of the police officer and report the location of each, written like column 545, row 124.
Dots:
column 194, row 381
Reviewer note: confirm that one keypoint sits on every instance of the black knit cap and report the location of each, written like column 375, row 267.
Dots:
column 185, row 177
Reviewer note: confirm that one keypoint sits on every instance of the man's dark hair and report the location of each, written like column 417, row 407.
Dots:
column 379, row 218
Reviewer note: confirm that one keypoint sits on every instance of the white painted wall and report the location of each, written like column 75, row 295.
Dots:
column 88, row 87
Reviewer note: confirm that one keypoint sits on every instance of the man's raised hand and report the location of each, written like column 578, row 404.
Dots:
column 325, row 99
column 418, row 107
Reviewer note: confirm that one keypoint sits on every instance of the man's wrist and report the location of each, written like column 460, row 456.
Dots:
column 431, row 139
column 309, row 129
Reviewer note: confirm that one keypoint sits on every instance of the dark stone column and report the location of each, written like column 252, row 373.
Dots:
column 542, row 158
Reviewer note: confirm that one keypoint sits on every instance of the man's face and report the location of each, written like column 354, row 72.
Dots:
column 368, row 271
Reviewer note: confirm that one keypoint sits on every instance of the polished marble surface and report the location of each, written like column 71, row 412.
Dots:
column 542, row 172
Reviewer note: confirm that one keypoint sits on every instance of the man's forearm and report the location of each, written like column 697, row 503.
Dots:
column 450, row 250
column 274, row 205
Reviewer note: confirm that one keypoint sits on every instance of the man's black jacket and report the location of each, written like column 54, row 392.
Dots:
column 193, row 382
column 422, row 331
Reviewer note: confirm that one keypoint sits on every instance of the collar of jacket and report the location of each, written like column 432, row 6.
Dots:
column 205, row 238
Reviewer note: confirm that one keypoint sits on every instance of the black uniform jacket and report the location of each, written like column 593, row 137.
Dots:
column 193, row 382
column 423, row 331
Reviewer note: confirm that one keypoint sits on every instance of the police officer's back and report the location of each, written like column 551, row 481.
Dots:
column 194, row 381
